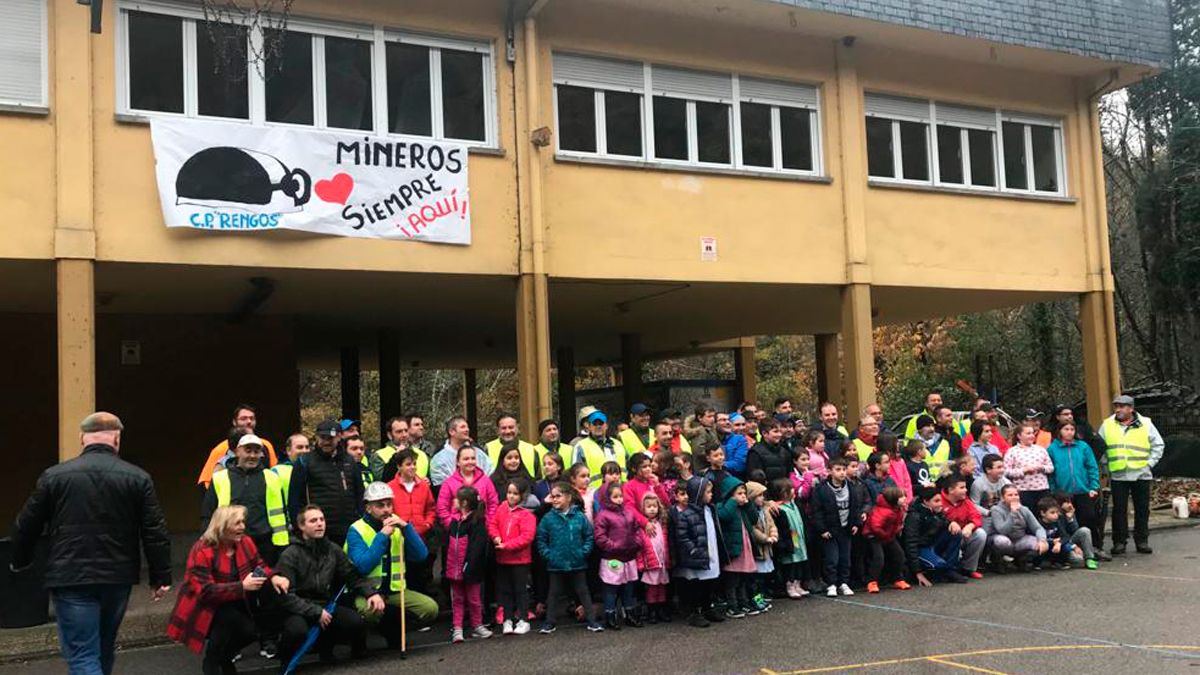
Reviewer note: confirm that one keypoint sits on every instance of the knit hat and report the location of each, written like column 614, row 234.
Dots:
column 545, row 423
column 754, row 489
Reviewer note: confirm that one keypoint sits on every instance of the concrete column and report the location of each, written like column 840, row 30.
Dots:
column 1101, row 370
column 829, row 369
column 745, row 374
column 390, row 404
column 566, row 393
column 351, row 394
column 858, row 348
column 76, row 351
column 533, row 348
column 631, row 369
column 471, row 401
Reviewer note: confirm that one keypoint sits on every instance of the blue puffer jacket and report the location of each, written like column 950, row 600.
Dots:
column 564, row 540
column 1075, row 469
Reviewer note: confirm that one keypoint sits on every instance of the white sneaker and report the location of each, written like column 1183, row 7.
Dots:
column 846, row 590
column 831, row 591
column 481, row 631
column 803, row 591
column 507, row 629
column 521, row 628
column 456, row 635
column 791, row 590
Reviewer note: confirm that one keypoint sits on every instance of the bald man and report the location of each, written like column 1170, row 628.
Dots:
column 98, row 509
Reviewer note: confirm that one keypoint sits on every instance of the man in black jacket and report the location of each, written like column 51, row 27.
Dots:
column 769, row 459
column 97, row 510
column 329, row 478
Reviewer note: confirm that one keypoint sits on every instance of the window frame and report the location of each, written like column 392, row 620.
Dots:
column 1028, row 120
column 897, row 176
column 376, row 36
column 42, row 104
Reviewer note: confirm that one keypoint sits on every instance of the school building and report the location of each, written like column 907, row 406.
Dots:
column 647, row 177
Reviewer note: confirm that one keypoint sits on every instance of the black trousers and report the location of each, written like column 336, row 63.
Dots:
column 347, row 627
column 888, row 552
column 231, row 630
column 512, row 591
column 1029, row 499
column 694, row 595
column 576, row 583
column 1087, row 513
column 1121, row 491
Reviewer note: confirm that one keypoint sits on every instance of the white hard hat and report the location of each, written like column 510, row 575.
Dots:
column 377, row 491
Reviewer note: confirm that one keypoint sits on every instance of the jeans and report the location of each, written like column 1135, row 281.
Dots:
column 1121, row 490
column 623, row 591
column 1003, row 545
column 836, row 551
column 942, row 555
column 88, row 619
column 972, row 550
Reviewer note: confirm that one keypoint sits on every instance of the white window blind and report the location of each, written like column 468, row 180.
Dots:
column 882, row 105
column 23, row 52
column 965, row 116
column 590, row 71
column 754, row 90
column 691, row 83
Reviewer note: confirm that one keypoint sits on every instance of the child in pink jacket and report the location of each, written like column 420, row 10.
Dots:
column 512, row 529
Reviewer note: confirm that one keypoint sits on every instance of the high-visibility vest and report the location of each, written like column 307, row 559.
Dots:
column 386, row 453
column 595, row 457
column 684, row 445
column 633, row 443
column 542, row 451
column 284, row 471
column 864, row 449
column 396, row 582
column 276, row 514
column 365, row 474
column 1128, row 447
column 528, row 455
column 938, row 458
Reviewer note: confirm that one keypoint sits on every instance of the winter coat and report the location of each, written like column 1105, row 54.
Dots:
column 647, row 559
column 701, row 438
column 416, row 507
column 467, row 547
column 99, row 512
column 898, row 470
column 211, row 579
column 483, row 485
column 921, row 527
column 885, row 522
column 737, row 450
column 802, row 484
column 875, row 485
column 564, row 540
column 767, row 462
column 825, row 511
column 863, row 494
column 783, row 528
column 1075, row 468
column 762, row 531
column 689, row 534
column 316, row 569
column 964, row 513
column 516, row 528
column 333, row 481
column 636, row 489
column 733, row 519
column 616, row 532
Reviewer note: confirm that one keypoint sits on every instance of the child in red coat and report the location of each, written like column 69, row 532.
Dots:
column 512, row 529
column 654, row 560
column 884, row 524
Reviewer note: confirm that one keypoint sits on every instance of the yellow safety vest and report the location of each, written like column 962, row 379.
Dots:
column 367, row 478
column 684, row 446
column 542, row 451
column 284, row 471
column 1128, row 447
column 864, row 450
column 396, row 582
column 386, row 453
column 528, row 455
column 595, row 457
column 633, row 443
column 938, row 458
column 276, row 514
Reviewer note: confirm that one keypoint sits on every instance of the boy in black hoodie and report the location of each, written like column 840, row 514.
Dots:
column 928, row 544
column 837, row 517
column 858, row 543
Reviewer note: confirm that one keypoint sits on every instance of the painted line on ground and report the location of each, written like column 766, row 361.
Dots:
column 963, row 666
column 917, row 659
column 1145, row 576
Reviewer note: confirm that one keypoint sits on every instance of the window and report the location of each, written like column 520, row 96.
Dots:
column 689, row 117
column 325, row 75
column 23, row 51
column 976, row 148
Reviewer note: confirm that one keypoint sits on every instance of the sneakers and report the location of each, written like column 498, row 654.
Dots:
column 713, row 616
column 1144, row 549
column 845, row 588
column 697, row 620
column 872, row 586
column 507, row 628
column 793, row 590
column 547, row 628
column 733, row 612
column 1091, row 564
column 521, row 628
column 761, row 603
column 955, row 577
column 482, row 632
column 977, row 575
column 268, row 651
column 902, row 585
column 595, row 627
column 803, row 591
column 456, row 635
column 831, row 591
column 611, row 621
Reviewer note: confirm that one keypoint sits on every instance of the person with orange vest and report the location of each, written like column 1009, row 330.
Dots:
column 245, row 420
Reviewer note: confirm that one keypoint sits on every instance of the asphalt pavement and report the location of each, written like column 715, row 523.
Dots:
column 1139, row 613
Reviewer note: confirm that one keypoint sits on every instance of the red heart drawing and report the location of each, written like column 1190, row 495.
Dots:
column 336, row 189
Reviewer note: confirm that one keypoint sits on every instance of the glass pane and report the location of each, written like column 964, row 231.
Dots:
column 950, row 164
column 576, row 119
column 712, row 132
column 221, row 86
column 1014, row 156
column 670, row 128
column 348, row 84
column 155, row 62
column 462, row 95
column 795, row 126
column 623, row 123
column 756, row 135
column 914, row 150
column 409, row 110
column 289, row 78
column 1045, row 159
column 879, row 148
column 983, row 157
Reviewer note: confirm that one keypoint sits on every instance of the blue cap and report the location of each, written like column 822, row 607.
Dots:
column 639, row 409
column 736, row 417
column 597, row 417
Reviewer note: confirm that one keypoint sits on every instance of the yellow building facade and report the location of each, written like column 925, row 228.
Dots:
column 637, row 170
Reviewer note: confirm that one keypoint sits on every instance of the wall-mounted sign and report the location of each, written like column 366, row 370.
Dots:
column 708, row 249
column 238, row 177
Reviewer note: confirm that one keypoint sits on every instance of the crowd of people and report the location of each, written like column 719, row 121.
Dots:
column 705, row 519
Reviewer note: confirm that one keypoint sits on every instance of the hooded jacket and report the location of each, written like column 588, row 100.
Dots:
column 1014, row 524
column 483, row 485
column 317, row 568
column 921, row 526
column 885, row 522
column 767, row 462
column 733, row 518
column 1075, row 468
column 466, row 549
column 616, row 531
column 689, row 535
column 564, row 540
column 516, row 528
column 825, row 510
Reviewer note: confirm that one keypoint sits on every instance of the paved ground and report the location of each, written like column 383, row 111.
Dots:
column 1141, row 613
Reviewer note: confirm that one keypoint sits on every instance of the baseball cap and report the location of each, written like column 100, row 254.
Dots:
column 639, row 409
column 328, row 428
column 596, row 416
column 1032, row 414
column 347, row 423
column 1123, row 399
column 250, row 439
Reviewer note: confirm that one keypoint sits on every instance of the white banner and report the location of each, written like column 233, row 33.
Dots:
column 237, row 177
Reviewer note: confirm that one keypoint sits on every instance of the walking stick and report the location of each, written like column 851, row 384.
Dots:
column 403, row 624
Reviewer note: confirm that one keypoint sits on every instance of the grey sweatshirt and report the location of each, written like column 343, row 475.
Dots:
column 1013, row 524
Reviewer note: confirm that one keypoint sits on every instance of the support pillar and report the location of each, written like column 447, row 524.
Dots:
column 745, row 374
column 76, row 351
column 390, row 404
column 1101, row 370
column 566, row 393
column 471, row 401
column 351, row 394
column 631, row 369
column 829, row 371
column 533, row 355
column 858, row 348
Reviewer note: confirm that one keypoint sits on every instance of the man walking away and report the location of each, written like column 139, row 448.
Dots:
column 98, row 509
